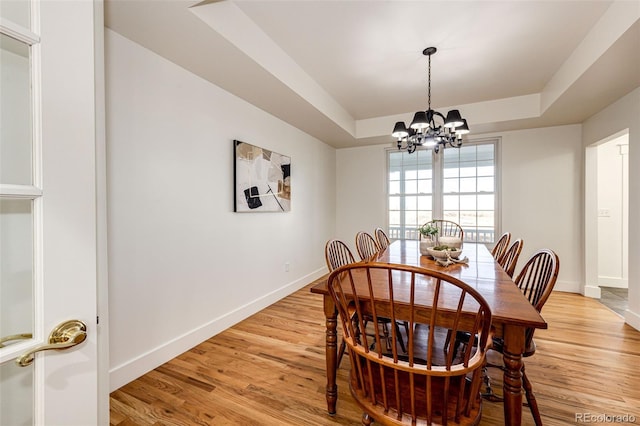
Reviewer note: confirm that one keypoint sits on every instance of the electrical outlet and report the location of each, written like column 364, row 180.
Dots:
column 286, row 266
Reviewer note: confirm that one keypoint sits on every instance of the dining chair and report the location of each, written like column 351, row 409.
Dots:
column 447, row 228
column 536, row 281
column 510, row 258
column 425, row 385
column 366, row 245
column 501, row 246
column 337, row 254
column 381, row 238
column 383, row 242
column 498, row 252
column 367, row 249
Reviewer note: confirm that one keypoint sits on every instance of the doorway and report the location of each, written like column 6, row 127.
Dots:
column 608, row 211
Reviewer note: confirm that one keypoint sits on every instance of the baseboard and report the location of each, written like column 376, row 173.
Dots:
column 567, row 286
column 632, row 318
column 134, row 368
column 613, row 282
column 592, row 291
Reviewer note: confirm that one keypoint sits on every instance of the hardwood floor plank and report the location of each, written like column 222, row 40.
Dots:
column 270, row 370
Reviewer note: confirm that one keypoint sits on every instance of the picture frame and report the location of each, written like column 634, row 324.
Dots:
column 262, row 179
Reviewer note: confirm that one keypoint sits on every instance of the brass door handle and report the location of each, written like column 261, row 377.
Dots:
column 64, row 336
column 21, row 336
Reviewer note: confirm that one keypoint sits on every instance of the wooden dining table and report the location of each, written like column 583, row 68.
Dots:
column 512, row 313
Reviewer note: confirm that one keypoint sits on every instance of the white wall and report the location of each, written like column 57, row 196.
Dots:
column 360, row 192
column 182, row 265
column 541, row 193
column 622, row 114
column 542, row 196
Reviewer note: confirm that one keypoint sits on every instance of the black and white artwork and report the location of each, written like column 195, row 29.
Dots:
column 262, row 179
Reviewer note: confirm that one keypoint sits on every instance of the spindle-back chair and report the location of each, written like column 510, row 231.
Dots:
column 337, row 254
column 425, row 384
column 536, row 281
column 510, row 258
column 501, row 246
column 382, row 239
column 447, row 228
column 366, row 245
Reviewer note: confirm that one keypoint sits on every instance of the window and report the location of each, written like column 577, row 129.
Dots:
column 410, row 192
column 457, row 184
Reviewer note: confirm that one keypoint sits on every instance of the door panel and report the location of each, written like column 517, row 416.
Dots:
column 48, row 211
column 18, row 11
column 16, row 270
column 16, row 395
column 15, row 112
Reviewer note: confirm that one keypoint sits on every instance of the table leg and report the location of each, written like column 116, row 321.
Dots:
column 331, row 315
column 512, row 357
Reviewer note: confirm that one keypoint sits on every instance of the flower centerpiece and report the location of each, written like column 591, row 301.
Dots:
column 428, row 231
column 428, row 237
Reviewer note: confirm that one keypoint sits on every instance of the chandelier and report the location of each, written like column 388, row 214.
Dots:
column 430, row 128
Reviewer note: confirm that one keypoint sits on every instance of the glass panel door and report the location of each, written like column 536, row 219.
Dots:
column 18, row 198
column 47, row 276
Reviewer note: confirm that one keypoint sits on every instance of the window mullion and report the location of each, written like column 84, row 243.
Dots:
column 18, row 32
column 438, row 181
column 403, row 223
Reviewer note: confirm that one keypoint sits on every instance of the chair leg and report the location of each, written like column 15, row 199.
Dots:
column 456, row 343
column 400, row 339
column 447, row 340
column 343, row 343
column 488, row 394
column 477, row 378
column 341, row 351
column 366, row 419
column 531, row 399
column 385, row 333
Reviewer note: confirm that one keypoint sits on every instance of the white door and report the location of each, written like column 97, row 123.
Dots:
column 47, row 210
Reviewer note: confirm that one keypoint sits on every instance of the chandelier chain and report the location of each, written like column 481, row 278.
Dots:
column 429, row 89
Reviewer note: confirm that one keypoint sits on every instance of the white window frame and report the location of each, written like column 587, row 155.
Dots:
column 437, row 187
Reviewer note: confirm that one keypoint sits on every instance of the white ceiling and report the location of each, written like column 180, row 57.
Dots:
column 345, row 71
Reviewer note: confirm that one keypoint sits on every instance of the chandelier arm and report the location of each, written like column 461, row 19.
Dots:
column 438, row 114
column 435, row 127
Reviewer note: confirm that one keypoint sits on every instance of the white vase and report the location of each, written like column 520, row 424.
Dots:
column 425, row 242
column 423, row 247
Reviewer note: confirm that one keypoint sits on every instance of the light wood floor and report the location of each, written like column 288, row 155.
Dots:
column 270, row 370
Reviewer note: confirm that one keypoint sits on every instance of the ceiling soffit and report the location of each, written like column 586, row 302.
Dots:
column 237, row 54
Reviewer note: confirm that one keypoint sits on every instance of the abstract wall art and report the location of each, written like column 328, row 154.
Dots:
column 262, row 179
